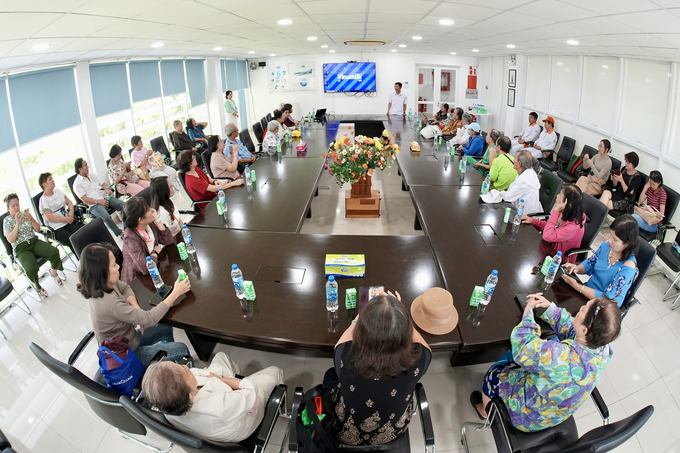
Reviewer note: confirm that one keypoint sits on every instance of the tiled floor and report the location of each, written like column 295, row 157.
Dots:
column 40, row 413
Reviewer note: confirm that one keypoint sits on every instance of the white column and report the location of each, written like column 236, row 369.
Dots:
column 215, row 96
column 96, row 158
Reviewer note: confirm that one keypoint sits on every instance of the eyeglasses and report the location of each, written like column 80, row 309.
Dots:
column 600, row 305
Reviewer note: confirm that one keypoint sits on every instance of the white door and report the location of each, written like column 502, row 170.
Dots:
column 436, row 85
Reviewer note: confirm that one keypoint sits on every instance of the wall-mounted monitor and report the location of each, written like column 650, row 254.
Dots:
column 349, row 77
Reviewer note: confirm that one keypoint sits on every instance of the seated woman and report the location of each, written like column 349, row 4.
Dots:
column 567, row 222
column 612, row 266
column 114, row 309
column 442, row 114
column 57, row 210
column 221, row 164
column 502, row 171
column 280, row 117
column 19, row 228
column 544, row 381
column 289, row 121
column 196, row 134
column 271, row 137
column 451, row 129
column 484, row 165
column 144, row 235
column 153, row 162
column 652, row 199
column 121, row 172
column 626, row 184
column 161, row 200
column 199, row 185
column 379, row 360
column 600, row 166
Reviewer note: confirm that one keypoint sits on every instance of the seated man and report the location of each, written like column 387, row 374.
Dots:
column 210, row 402
column 526, row 186
column 91, row 191
column 546, row 141
column 462, row 137
column 502, row 171
column 528, row 135
column 57, row 209
column 180, row 139
column 475, row 145
column 244, row 156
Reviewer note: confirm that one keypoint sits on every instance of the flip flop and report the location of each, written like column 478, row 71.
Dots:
column 475, row 399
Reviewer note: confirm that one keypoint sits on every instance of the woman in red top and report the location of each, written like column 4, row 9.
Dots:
column 566, row 225
column 199, row 185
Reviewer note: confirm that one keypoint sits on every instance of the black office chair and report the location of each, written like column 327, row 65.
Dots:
column 206, row 156
column 145, row 195
column 49, row 233
column 244, row 135
column 95, row 231
column 562, row 438
column 672, row 198
column 158, row 144
column 194, row 203
column 257, row 442
column 669, row 256
column 547, row 155
column 269, row 117
column 563, row 155
column 644, row 178
column 399, row 445
column 258, row 130
column 102, row 400
column 596, row 214
column 551, row 185
column 568, row 177
column 6, row 289
column 645, row 259
column 5, row 446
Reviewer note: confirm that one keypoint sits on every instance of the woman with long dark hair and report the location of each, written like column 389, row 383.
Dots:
column 566, row 225
column 379, row 360
column 161, row 200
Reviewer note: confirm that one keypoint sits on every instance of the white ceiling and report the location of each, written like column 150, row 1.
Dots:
column 110, row 29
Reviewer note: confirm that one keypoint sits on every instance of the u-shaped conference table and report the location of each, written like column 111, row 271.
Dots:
column 464, row 241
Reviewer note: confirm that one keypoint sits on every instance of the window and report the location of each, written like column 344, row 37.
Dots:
column 147, row 115
column 115, row 129
column 175, row 109
column 10, row 176
column 199, row 113
column 55, row 154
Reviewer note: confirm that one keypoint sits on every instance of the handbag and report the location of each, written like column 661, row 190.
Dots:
column 123, row 378
column 320, row 439
column 647, row 216
column 575, row 165
column 143, row 173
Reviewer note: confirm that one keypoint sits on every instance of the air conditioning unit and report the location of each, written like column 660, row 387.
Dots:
column 253, row 65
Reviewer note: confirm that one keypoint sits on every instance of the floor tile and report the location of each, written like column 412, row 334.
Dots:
column 46, row 440
column 72, row 418
column 630, row 368
column 660, row 344
column 113, row 442
column 16, row 420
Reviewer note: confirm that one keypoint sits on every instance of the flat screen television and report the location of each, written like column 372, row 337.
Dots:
column 349, row 77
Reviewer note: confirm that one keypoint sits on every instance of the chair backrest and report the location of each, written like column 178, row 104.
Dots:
column 145, row 194
column 616, row 164
column 95, row 231
column 608, row 437
column 596, row 214
column 263, row 122
column 206, row 156
column 170, row 140
column 566, row 149
column 269, row 117
column 5, row 242
column 645, row 258
column 158, row 144
column 671, row 204
column 244, row 135
column 36, row 205
column 70, row 181
column 551, row 185
column 587, row 149
column 259, row 132
column 644, row 179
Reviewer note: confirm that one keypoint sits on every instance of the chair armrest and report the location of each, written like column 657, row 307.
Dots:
column 76, row 352
column 425, row 417
column 159, row 357
column 271, row 414
column 48, row 232
column 601, row 405
column 577, row 251
column 292, row 433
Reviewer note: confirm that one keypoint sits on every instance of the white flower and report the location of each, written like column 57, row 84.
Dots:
column 344, row 153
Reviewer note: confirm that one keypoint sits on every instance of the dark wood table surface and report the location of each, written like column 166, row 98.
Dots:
column 289, row 315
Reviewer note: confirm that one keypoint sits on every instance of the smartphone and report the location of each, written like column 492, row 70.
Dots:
column 574, row 276
column 162, row 294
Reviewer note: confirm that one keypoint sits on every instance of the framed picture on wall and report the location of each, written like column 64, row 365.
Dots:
column 512, row 78
column 511, row 97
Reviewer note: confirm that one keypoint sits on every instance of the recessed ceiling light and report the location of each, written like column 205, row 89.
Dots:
column 311, row 38
column 453, row 53
column 251, row 51
column 572, row 42
column 445, row 22
column 402, row 45
column 285, row 22
column 559, row 63
column 394, row 50
column 217, row 49
column 39, row 47
column 332, row 51
column 156, row 45
column 475, row 50
column 325, row 46
column 605, row 66
column 272, row 54
column 417, row 38
column 510, row 46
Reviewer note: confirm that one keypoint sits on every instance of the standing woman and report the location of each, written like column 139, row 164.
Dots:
column 484, row 165
column 161, row 200
column 600, row 166
column 19, row 228
column 626, row 184
column 121, row 172
column 230, row 107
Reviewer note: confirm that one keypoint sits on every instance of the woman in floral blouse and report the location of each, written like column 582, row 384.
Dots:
column 544, row 381
column 120, row 172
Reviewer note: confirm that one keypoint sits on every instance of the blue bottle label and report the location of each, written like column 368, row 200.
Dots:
column 238, row 283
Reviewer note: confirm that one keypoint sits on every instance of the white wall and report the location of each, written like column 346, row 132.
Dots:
column 392, row 67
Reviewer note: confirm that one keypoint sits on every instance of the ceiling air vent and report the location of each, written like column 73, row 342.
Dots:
column 365, row 42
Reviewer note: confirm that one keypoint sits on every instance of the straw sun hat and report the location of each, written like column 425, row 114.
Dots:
column 433, row 311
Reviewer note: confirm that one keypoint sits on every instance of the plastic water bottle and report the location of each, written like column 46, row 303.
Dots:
column 410, row 112
column 520, row 210
column 222, row 200
column 552, row 270
column 246, row 173
column 153, row 272
column 462, row 164
column 331, row 294
column 237, row 278
column 489, row 287
column 187, row 240
column 486, row 184
column 253, row 178
column 313, row 114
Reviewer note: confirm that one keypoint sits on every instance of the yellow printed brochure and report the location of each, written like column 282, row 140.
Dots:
column 345, row 265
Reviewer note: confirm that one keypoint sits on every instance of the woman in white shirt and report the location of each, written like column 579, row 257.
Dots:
column 161, row 200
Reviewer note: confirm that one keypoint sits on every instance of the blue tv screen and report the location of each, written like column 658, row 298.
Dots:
column 348, row 77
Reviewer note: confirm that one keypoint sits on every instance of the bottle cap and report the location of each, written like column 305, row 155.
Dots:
column 331, row 278
column 221, row 190
column 234, row 266
column 495, row 272
column 521, row 200
column 184, row 226
column 148, row 258
column 559, row 253
column 246, row 166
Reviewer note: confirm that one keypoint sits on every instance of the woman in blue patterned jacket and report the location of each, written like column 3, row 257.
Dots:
column 544, row 381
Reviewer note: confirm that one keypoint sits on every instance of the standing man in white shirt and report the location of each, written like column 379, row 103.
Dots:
column 397, row 101
column 528, row 135
column 92, row 191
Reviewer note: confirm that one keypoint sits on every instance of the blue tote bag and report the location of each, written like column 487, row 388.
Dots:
column 121, row 379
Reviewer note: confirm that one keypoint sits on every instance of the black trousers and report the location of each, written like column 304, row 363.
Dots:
column 64, row 233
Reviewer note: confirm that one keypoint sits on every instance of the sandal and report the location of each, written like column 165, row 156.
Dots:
column 475, row 399
column 41, row 292
column 57, row 280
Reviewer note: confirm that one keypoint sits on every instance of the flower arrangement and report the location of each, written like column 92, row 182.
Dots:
column 349, row 162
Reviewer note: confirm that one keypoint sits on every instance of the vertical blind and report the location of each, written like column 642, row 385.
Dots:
column 144, row 80
column 236, row 72
column 109, row 88
column 172, row 75
column 44, row 102
column 196, row 81
column 242, row 72
column 6, row 133
column 223, row 69
column 232, row 75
